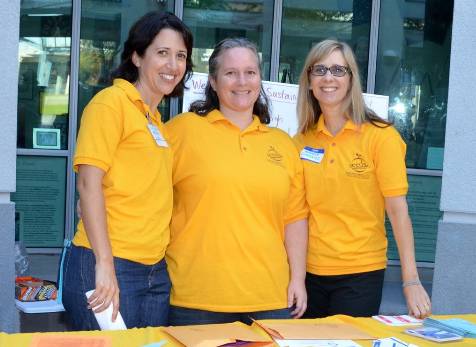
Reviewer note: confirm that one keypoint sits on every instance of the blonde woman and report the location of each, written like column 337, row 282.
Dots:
column 354, row 168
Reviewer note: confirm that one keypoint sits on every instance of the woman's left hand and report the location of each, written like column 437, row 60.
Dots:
column 297, row 297
column 418, row 301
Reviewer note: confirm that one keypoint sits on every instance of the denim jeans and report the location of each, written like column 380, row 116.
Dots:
column 188, row 316
column 144, row 290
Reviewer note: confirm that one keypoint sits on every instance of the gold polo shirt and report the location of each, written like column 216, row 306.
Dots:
column 345, row 191
column 137, row 184
column 234, row 192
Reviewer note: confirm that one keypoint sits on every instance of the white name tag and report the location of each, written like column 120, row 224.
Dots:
column 312, row 154
column 155, row 132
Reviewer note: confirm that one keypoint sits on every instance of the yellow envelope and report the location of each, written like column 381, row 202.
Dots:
column 212, row 335
column 311, row 330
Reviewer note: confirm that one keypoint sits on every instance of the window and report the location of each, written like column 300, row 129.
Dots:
column 105, row 26
column 413, row 68
column 213, row 21
column 305, row 23
column 44, row 74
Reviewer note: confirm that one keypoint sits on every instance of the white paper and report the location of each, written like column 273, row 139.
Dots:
column 104, row 318
column 391, row 342
column 317, row 343
column 377, row 103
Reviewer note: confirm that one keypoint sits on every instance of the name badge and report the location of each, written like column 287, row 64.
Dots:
column 155, row 132
column 312, row 154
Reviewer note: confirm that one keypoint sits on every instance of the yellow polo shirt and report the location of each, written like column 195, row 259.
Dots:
column 345, row 192
column 234, row 192
column 137, row 184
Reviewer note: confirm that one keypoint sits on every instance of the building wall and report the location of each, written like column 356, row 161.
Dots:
column 454, row 287
column 9, row 17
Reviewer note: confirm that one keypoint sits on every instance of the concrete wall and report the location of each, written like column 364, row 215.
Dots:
column 454, row 285
column 9, row 17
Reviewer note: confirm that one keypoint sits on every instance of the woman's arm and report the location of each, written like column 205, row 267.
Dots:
column 418, row 302
column 295, row 240
column 93, row 213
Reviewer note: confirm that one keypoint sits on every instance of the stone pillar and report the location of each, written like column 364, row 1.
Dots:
column 454, row 284
column 9, row 17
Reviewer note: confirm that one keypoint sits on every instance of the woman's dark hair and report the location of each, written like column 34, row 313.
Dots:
column 211, row 102
column 141, row 35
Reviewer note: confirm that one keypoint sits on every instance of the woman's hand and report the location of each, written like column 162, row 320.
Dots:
column 107, row 289
column 418, row 301
column 297, row 297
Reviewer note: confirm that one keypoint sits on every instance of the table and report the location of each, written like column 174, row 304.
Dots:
column 141, row 337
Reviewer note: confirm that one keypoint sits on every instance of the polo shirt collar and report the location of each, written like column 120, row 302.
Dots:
column 216, row 116
column 134, row 96
column 349, row 125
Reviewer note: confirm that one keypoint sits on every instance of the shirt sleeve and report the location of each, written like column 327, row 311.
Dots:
column 99, row 136
column 296, row 208
column 390, row 164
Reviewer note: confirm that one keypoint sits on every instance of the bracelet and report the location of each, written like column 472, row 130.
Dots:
column 411, row 283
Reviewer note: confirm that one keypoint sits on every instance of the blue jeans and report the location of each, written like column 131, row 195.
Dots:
column 144, row 290
column 189, row 316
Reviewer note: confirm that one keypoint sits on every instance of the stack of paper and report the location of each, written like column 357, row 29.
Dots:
column 398, row 321
column 458, row 326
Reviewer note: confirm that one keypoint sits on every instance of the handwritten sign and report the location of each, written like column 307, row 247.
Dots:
column 283, row 99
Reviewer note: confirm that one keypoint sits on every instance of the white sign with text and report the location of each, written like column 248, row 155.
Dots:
column 283, row 100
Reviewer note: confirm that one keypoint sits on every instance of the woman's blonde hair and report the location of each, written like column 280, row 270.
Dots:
column 353, row 106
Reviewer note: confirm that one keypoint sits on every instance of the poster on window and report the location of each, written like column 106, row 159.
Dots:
column 283, row 100
column 40, row 201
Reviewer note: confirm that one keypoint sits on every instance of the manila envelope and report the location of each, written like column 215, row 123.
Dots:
column 313, row 331
column 212, row 335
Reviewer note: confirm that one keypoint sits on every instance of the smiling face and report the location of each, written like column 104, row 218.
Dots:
column 330, row 90
column 237, row 81
column 163, row 64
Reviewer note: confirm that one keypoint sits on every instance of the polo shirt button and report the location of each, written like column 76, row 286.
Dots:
column 333, row 143
column 244, row 148
column 331, row 161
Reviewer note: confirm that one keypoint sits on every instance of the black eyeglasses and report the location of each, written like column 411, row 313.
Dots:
column 335, row 70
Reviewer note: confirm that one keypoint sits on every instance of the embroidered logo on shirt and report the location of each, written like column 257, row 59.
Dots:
column 359, row 164
column 274, row 156
column 358, row 167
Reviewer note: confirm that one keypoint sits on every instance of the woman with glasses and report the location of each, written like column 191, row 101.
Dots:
column 354, row 168
column 239, row 225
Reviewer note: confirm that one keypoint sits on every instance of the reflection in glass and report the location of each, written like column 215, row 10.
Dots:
column 305, row 23
column 44, row 73
column 413, row 68
column 212, row 21
column 105, row 25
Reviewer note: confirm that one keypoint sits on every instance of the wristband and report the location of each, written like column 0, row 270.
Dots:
column 411, row 283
